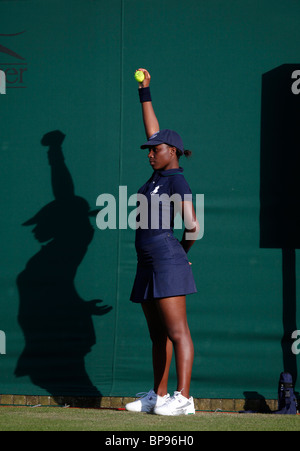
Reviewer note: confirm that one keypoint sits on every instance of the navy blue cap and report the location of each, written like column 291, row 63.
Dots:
column 165, row 137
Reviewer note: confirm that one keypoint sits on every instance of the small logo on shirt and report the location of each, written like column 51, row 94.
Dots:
column 155, row 191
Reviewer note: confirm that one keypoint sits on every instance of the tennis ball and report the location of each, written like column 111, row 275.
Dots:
column 139, row 76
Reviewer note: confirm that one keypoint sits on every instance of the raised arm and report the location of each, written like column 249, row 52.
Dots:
column 149, row 117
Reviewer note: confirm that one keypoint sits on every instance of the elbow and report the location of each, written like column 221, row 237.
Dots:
column 193, row 231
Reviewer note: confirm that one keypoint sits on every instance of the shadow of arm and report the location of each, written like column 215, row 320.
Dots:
column 61, row 179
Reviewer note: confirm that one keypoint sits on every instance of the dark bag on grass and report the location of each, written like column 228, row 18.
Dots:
column 287, row 402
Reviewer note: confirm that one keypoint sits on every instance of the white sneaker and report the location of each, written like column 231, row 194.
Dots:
column 176, row 405
column 147, row 402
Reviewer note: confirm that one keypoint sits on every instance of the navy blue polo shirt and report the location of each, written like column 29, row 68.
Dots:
column 162, row 191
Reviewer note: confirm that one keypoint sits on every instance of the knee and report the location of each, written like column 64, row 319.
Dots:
column 178, row 334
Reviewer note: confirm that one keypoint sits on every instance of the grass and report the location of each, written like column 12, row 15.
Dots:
column 68, row 419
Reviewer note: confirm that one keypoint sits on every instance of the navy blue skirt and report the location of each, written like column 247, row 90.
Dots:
column 163, row 270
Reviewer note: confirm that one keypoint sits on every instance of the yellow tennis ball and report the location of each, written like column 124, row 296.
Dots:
column 139, row 76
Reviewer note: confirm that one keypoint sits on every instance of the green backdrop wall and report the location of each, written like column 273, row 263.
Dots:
column 71, row 69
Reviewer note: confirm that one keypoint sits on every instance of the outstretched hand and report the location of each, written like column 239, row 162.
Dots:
column 97, row 310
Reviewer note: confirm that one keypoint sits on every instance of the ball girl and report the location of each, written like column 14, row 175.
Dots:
column 164, row 276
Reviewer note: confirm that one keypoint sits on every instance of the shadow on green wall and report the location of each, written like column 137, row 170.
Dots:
column 280, row 188
column 56, row 322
